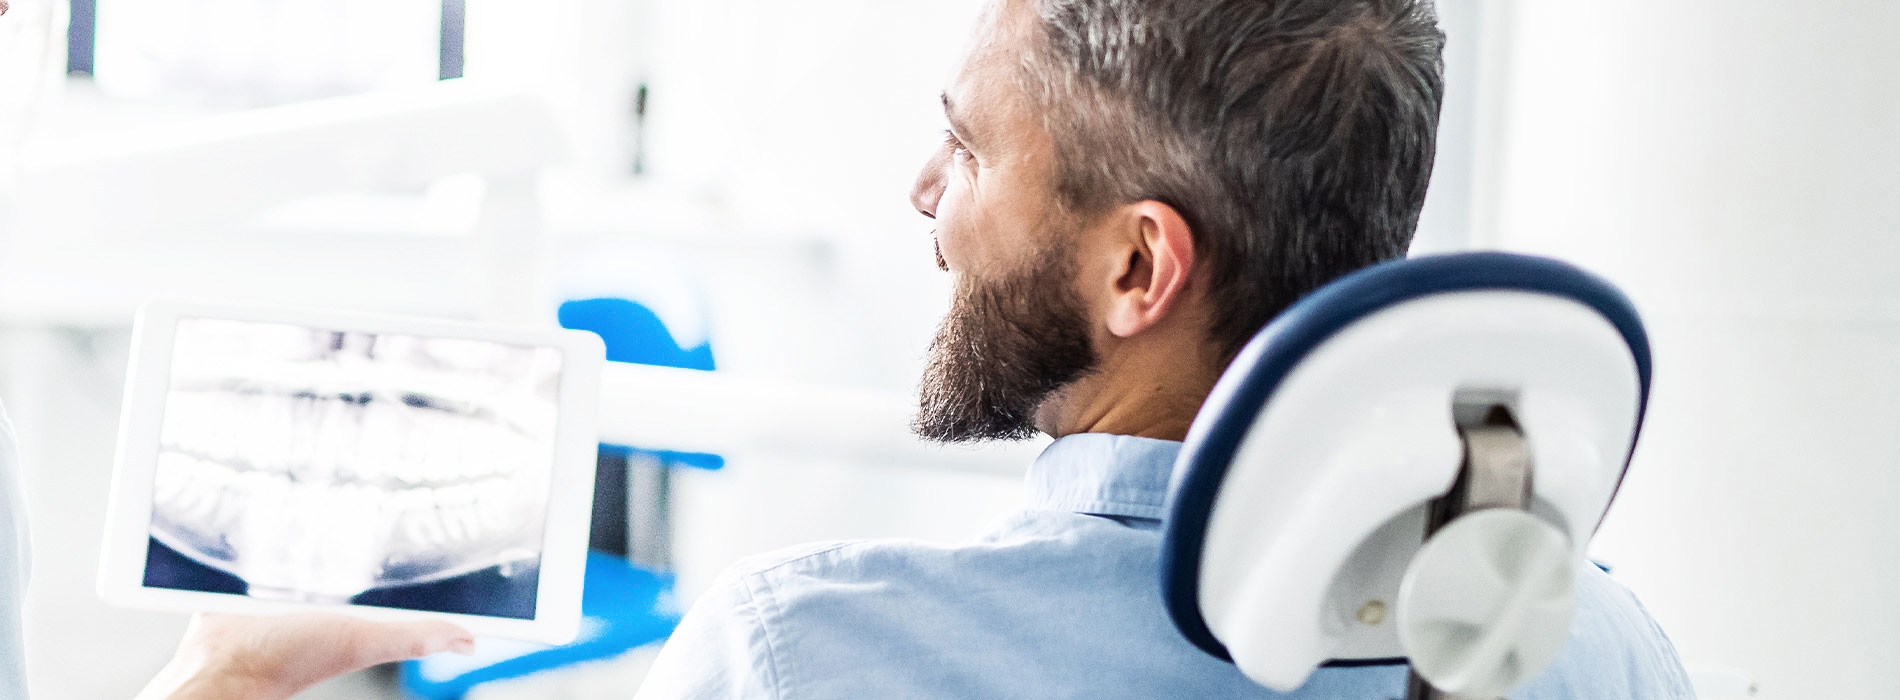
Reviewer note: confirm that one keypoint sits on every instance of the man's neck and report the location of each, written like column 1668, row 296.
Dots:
column 1153, row 395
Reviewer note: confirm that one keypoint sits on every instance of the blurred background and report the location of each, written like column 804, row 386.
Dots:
column 727, row 179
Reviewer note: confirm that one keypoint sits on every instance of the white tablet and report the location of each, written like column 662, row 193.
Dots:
column 276, row 461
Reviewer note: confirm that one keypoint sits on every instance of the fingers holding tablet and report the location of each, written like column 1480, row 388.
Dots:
column 231, row 656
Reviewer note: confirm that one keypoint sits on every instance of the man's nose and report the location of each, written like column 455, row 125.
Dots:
column 929, row 188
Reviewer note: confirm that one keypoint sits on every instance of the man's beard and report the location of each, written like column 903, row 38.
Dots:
column 1001, row 351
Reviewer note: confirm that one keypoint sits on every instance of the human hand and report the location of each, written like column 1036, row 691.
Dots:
column 271, row 658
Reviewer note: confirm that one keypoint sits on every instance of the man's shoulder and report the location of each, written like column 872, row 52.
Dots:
column 799, row 557
column 1604, row 601
column 834, row 595
column 1615, row 648
column 842, row 561
column 1025, row 549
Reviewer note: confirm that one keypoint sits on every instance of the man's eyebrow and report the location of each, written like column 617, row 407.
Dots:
column 957, row 125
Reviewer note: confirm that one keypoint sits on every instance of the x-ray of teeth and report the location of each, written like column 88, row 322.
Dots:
column 327, row 466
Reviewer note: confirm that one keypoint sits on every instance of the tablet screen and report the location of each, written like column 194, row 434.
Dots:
column 317, row 465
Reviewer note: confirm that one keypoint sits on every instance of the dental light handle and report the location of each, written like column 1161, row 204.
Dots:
column 1485, row 605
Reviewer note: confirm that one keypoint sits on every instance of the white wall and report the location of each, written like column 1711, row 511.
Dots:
column 1735, row 164
column 813, row 118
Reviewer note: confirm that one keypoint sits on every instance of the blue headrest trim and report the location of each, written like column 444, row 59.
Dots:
column 1260, row 367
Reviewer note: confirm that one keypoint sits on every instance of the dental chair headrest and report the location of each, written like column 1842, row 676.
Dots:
column 1302, row 494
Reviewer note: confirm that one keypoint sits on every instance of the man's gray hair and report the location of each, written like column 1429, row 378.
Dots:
column 1295, row 136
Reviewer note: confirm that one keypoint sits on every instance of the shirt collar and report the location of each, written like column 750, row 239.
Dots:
column 1102, row 474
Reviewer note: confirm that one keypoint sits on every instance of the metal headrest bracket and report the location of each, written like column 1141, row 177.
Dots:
column 1486, row 602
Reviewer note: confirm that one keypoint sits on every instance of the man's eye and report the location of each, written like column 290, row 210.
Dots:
column 957, row 149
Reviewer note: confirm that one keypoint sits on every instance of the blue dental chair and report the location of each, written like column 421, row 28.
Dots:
column 1406, row 467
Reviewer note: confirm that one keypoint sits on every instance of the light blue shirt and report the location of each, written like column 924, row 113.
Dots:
column 1062, row 601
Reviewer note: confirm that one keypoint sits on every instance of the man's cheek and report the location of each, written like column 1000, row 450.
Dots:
column 954, row 228
column 949, row 249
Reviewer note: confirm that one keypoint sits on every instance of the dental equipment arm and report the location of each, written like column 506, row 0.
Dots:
column 98, row 224
column 687, row 410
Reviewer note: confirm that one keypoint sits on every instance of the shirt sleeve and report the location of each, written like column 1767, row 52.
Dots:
column 721, row 650
column 1620, row 650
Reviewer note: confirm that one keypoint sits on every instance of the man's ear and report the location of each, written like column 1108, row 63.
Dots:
column 1153, row 277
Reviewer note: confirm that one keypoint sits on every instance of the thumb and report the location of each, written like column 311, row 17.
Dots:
column 397, row 641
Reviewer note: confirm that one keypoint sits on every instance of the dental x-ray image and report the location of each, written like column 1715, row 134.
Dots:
column 392, row 470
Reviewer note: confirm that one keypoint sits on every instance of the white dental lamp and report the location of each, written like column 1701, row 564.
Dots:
column 1406, row 467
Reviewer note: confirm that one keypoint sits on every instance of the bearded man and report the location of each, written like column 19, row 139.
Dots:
column 1128, row 191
